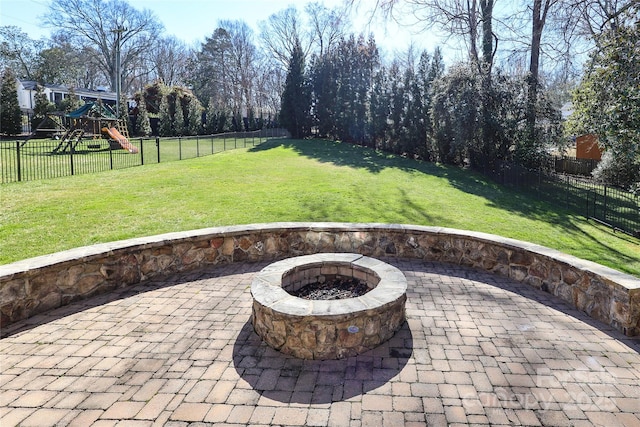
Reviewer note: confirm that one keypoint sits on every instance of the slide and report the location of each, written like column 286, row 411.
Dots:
column 124, row 142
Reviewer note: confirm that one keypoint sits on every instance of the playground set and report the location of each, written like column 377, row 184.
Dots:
column 93, row 120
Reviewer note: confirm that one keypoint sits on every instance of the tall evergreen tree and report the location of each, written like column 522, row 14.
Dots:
column 296, row 99
column 123, row 107
column 164, row 116
column 429, row 69
column 455, row 113
column 251, row 120
column 178, row 118
column 10, row 115
column 379, row 109
column 365, row 61
column 223, row 121
column 194, row 116
column 324, row 88
column 397, row 109
column 342, row 82
column 142, row 119
column 211, row 118
column 236, row 121
column 71, row 102
column 414, row 132
column 41, row 108
column 124, row 111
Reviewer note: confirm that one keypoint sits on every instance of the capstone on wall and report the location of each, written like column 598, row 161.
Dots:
column 39, row 284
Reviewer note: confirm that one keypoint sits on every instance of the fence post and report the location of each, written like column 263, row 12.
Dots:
column 179, row 148
column 604, row 214
column 197, row 146
column 18, row 164
column 158, row 147
column 110, row 156
column 566, row 191
column 71, row 150
column 141, row 152
column 588, row 199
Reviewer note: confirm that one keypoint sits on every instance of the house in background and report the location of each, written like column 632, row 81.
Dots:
column 56, row 93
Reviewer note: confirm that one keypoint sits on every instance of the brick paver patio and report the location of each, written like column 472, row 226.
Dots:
column 477, row 349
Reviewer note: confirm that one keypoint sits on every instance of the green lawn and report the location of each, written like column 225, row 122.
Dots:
column 287, row 180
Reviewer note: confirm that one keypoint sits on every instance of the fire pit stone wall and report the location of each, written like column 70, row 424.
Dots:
column 327, row 329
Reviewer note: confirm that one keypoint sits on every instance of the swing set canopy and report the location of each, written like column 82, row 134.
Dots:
column 93, row 109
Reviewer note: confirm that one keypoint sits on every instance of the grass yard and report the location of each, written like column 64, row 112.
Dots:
column 287, row 180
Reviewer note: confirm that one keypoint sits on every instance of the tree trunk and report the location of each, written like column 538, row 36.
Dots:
column 538, row 20
column 486, row 109
column 487, row 32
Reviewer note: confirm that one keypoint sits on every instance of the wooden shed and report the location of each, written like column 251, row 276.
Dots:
column 587, row 147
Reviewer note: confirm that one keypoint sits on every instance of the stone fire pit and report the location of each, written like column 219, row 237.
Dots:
column 327, row 329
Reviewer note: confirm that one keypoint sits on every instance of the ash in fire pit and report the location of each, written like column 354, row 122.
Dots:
column 332, row 288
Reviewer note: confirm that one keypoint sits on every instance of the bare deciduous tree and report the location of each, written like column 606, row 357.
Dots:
column 78, row 66
column 92, row 23
column 471, row 21
column 169, row 58
column 226, row 67
column 243, row 57
column 328, row 25
column 594, row 17
column 280, row 33
column 540, row 12
column 19, row 51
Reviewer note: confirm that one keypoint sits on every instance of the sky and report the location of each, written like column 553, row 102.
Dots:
column 193, row 20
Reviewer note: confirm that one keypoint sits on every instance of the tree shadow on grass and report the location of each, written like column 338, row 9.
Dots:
column 350, row 155
column 531, row 206
column 324, row 209
column 496, row 196
column 287, row 379
column 336, row 153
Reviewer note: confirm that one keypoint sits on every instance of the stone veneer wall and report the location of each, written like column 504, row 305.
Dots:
column 39, row 284
column 327, row 329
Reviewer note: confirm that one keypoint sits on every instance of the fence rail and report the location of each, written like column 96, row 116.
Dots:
column 575, row 166
column 44, row 159
column 611, row 206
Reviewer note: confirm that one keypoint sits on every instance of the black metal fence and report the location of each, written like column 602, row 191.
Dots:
column 574, row 166
column 44, row 159
column 614, row 207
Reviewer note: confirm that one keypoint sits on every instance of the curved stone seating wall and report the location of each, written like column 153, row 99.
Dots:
column 39, row 284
